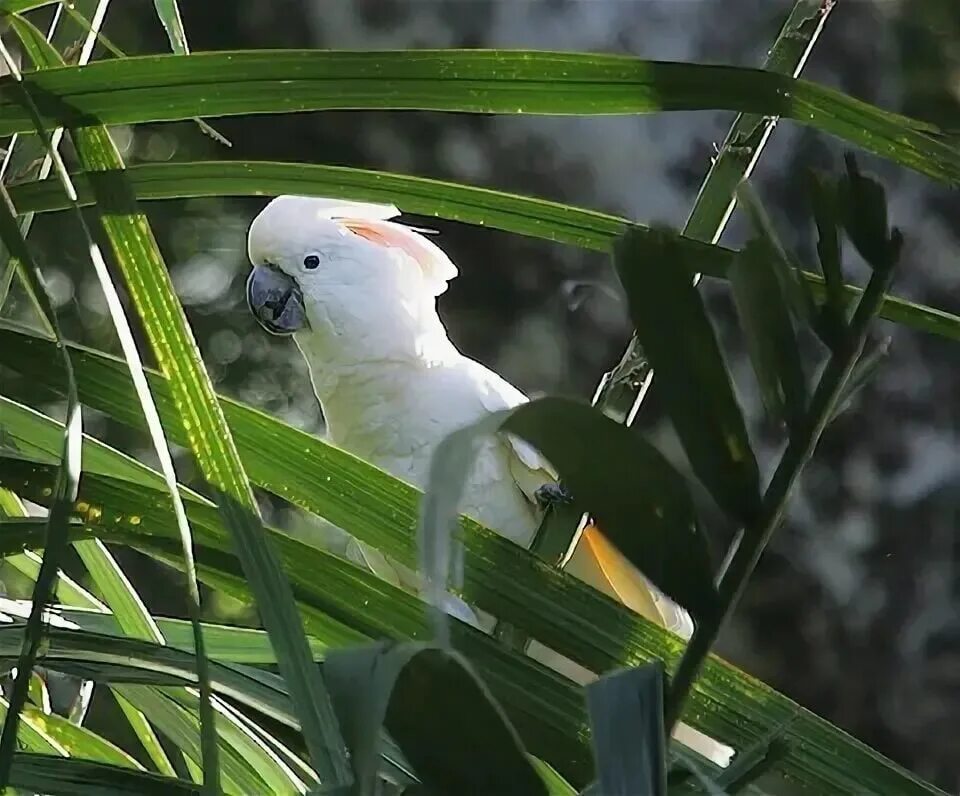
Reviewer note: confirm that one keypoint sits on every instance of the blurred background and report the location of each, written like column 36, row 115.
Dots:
column 855, row 610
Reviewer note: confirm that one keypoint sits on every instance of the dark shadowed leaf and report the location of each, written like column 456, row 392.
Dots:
column 824, row 199
column 794, row 287
column 679, row 340
column 626, row 717
column 863, row 208
column 440, row 714
column 64, row 490
column 60, row 776
column 768, row 329
column 639, row 502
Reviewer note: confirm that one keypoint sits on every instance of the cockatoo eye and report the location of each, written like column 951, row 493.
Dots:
column 311, row 261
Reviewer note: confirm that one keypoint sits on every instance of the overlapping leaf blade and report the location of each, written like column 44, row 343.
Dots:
column 564, row 612
column 201, row 417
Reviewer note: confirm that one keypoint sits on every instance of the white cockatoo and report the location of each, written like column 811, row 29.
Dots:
column 358, row 293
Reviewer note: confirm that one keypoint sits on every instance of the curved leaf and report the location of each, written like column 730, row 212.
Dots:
column 626, row 716
column 421, row 694
column 168, row 87
column 523, row 215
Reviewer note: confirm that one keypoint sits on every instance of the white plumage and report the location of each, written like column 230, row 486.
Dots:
column 392, row 385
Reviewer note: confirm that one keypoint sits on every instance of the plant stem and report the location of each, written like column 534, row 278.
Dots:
column 623, row 389
column 799, row 450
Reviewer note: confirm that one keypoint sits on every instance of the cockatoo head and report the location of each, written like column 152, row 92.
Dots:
column 339, row 268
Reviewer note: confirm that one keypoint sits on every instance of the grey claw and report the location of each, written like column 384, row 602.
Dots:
column 550, row 495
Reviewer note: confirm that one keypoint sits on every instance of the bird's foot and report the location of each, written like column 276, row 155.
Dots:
column 551, row 495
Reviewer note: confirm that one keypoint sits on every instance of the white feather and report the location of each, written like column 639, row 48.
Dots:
column 392, row 385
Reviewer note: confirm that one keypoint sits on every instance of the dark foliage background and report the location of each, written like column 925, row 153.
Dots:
column 855, row 611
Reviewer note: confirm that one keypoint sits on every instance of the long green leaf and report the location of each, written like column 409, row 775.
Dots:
column 57, row 776
column 559, row 610
column 44, row 56
column 169, row 13
column 182, row 727
column 226, row 643
column 67, row 483
column 201, row 417
column 249, row 746
column 77, row 741
column 26, row 153
column 520, row 214
column 547, row 710
column 726, row 703
column 19, row 6
column 166, row 87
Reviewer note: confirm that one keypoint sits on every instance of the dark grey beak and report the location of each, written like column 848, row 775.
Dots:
column 275, row 300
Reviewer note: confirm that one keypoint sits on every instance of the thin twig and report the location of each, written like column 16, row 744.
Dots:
column 798, row 452
column 735, row 161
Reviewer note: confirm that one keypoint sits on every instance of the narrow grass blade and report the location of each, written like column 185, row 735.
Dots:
column 277, row 776
column 556, row 785
column 169, row 13
column 771, row 341
column 164, row 88
column 68, row 591
column 697, row 388
column 45, row 733
column 64, row 492
column 225, row 643
column 46, row 57
column 20, row 6
column 182, row 727
column 134, row 620
column 26, row 155
column 748, row 135
column 152, row 291
column 146, row 734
